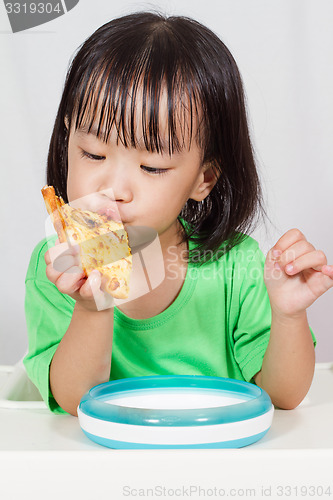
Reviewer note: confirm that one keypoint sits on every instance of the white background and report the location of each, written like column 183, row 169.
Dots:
column 284, row 52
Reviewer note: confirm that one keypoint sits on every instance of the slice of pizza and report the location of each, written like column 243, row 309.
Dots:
column 103, row 242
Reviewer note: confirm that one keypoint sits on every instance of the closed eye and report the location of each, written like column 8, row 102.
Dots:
column 149, row 170
column 153, row 170
column 85, row 154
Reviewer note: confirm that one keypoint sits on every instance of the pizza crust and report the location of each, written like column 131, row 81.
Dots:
column 103, row 242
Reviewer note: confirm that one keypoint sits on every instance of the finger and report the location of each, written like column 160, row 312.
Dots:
column 51, row 273
column 288, row 239
column 92, row 289
column 68, row 282
column 327, row 278
column 66, row 263
column 61, row 249
column 54, row 276
column 272, row 268
column 312, row 260
column 80, row 283
column 328, row 271
column 294, row 252
column 92, row 285
column 47, row 258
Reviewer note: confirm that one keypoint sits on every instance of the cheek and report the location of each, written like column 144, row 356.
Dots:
column 75, row 181
column 71, row 181
column 170, row 199
column 71, row 184
column 75, row 175
column 71, row 194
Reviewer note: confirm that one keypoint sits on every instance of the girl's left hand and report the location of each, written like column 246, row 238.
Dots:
column 295, row 274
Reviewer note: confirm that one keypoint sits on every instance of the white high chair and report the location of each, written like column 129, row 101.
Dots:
column 17, row 390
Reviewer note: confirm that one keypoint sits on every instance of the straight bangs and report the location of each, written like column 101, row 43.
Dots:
column 148, row 96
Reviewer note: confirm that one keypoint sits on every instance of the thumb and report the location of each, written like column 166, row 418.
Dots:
column 272, row 267
column 272, row 258
column 102, row 299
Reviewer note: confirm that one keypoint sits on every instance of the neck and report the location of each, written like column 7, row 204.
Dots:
column 174, row 253
column 171, row 238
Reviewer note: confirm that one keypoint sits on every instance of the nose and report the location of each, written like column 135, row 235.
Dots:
column 117, row 186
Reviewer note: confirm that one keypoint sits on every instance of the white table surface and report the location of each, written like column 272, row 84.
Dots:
column 39, row 447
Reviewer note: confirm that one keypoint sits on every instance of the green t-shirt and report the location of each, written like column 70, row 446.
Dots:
column 218, row 325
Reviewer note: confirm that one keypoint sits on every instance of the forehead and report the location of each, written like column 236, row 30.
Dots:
column 163, row 122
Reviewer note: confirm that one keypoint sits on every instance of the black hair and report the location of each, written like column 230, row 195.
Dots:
column 152, row 52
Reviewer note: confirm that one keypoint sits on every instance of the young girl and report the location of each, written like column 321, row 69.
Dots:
column 153, row 108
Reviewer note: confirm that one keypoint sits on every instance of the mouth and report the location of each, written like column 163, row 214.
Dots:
column 111, row 213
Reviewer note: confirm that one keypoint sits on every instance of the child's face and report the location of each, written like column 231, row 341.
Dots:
column 150, row 189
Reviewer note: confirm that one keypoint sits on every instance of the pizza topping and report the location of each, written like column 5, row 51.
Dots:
column 114, row 284
column 103, row 242
column 84, row 219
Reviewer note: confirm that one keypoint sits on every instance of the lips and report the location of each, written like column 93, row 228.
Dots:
column 111, row 213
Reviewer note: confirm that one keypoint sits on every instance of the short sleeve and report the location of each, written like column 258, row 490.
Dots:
column 252, row 331
column 48, row 314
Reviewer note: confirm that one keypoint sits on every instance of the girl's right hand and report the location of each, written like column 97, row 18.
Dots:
column 64, row 270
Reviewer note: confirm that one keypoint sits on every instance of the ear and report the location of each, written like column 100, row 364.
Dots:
column 207, row 179
column 66, row 120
